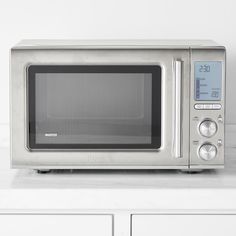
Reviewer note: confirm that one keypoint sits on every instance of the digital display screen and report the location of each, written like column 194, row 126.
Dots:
column 208, row 80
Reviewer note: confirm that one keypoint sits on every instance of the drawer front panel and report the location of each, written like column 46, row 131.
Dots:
column 60, row 225
column 183, row 225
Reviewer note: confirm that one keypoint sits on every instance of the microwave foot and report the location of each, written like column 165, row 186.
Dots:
column 43, row 171
column 191, row 171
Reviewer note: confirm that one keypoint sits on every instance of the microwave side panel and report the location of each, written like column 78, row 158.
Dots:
column 17, row 109
column 207, row 108
column 55, row 159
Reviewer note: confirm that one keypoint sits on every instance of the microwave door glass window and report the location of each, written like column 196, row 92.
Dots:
column 90, row 107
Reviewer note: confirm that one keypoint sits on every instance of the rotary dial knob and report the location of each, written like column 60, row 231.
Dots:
column 207, row 152
column 208, row 128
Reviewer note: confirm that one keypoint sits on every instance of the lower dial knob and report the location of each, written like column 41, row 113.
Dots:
column 207, row 152
column 208, row 128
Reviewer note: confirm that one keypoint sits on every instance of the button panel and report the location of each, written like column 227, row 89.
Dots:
column 207, row 106
column 206, row 144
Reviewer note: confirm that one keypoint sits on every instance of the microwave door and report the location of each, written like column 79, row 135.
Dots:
column 94, row 107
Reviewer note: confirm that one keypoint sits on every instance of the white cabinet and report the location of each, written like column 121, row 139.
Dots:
column 183, row 225
column 60, row 225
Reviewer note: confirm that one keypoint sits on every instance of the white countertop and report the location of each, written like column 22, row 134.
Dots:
column 155, row 190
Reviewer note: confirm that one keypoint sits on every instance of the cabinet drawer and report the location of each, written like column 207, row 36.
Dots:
column 183, row 225
column 60, row 225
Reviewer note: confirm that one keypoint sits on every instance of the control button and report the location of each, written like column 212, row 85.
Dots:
column 208, row 128
column 207, row 152
column 216, row 106
column 219, row 142
column 195, row 142
column 207, row 106
column 196, row 118
column 220, row 119
column 199, row 106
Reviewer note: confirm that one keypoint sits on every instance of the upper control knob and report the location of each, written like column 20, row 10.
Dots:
column 208, row 128
column 207, row 152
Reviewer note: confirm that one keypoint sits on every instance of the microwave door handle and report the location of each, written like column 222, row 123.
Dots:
column 178, row 100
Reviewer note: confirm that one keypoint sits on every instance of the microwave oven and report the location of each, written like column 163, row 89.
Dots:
column 143, row 104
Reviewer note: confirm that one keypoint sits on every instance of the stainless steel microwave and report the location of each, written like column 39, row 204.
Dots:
column 117, row 104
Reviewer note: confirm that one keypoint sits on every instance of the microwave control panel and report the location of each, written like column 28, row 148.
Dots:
column 207, row 108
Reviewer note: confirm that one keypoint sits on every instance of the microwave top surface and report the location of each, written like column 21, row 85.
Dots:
column 116, row 44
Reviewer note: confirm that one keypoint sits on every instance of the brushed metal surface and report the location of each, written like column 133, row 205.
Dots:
column 115, row 44
column 178, row 110
column 207, row 151
column 208, row 128
column 197, row 116
column 21, row 157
